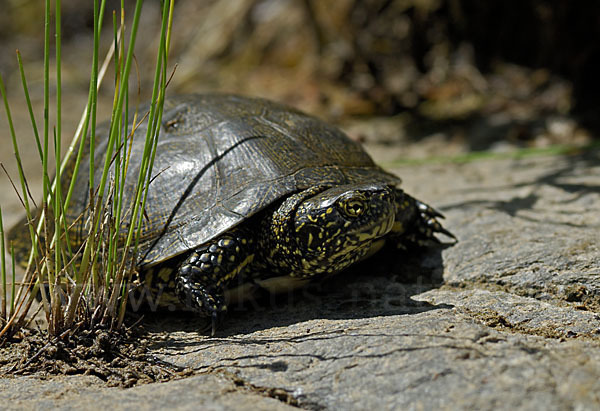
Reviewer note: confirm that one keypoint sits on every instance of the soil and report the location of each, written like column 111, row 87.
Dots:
column 118, row 359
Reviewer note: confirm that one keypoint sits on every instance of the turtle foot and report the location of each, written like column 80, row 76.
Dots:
column 428, row 224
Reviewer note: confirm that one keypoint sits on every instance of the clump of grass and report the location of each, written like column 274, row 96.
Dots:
column 82, row 281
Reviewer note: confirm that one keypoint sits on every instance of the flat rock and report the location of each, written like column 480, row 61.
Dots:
column 507, row 318
column 207, row 392
column 531, row 226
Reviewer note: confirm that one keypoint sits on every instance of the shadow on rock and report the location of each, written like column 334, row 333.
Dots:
column 571, row 176
column 380, row 286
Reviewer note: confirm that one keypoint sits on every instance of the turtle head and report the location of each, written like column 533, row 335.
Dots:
column 337, row 226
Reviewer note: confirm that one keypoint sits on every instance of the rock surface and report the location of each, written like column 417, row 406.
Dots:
column 507, row 318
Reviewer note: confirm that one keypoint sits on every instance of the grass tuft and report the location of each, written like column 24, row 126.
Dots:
column 83, row 282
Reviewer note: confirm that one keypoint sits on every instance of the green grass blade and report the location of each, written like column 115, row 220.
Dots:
column 15, row 148
column 2, row 270
column 116, row 117
column 119, row 103
column 14, row 280
column 154, row 121
column 151, row 134
column 90, row 113
column 29, row 106
column 58, row 205
column 46, row 187
column 21, row 173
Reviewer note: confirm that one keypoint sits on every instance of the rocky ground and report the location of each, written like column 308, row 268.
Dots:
column 506, row 318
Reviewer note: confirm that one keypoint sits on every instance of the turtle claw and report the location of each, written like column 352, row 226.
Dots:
column 429, row 224
column 214, row 323
column 447, row 233
column 427, row 210
column 432, row 226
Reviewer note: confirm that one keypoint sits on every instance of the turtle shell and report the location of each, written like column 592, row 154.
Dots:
column 221, row 159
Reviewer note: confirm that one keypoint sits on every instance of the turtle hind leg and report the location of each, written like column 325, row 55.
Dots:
column 416, row 223
column 204, row 275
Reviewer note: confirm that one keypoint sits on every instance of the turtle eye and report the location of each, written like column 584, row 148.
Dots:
column 353, row 207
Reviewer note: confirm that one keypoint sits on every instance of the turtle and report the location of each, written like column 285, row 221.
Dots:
column 247, row 193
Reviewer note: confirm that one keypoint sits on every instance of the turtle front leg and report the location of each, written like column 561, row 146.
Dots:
column 203, row 276
column 416, row 222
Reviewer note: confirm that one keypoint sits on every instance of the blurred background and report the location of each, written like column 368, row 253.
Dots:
column 411, row 78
